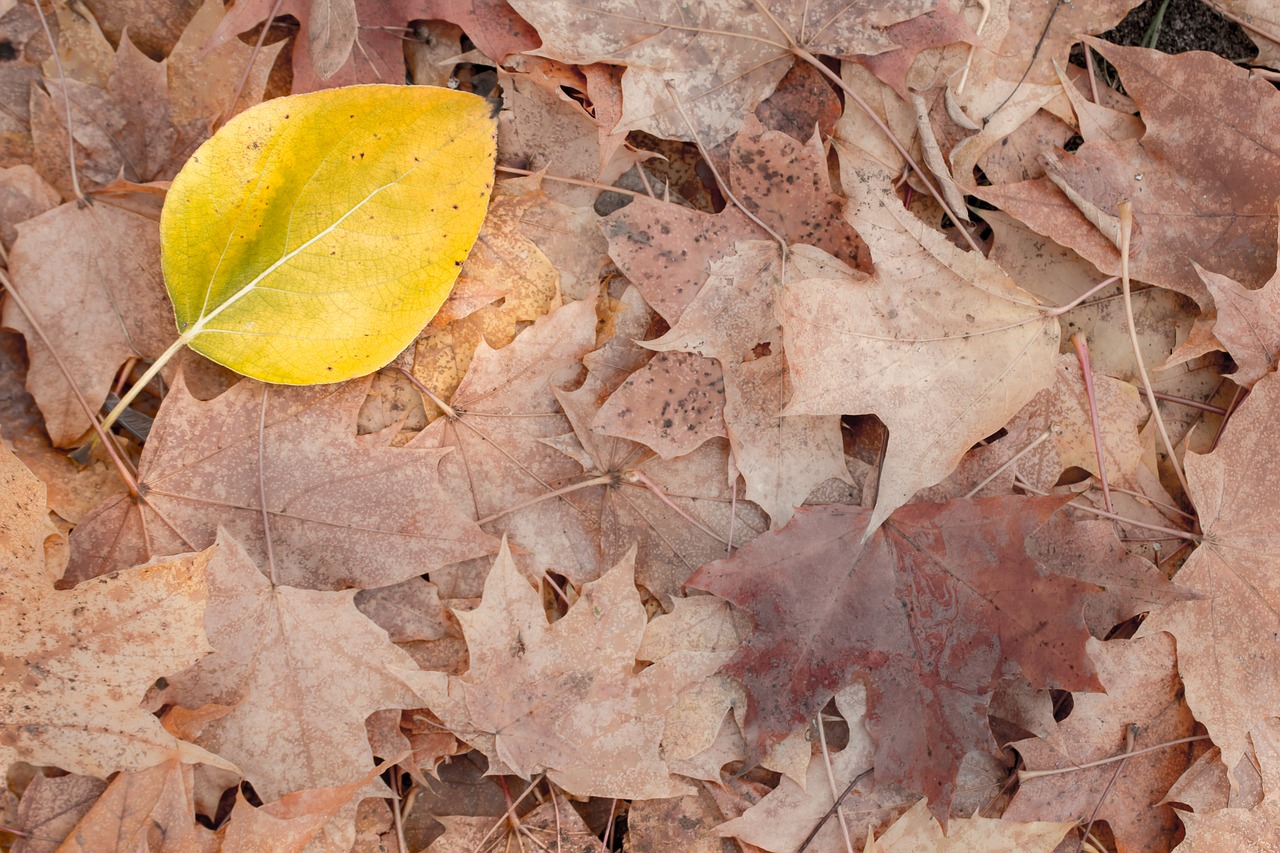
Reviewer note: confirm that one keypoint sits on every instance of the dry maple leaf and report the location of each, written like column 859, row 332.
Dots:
column 500, row 418
column 317, row 820
column 303, row 669
column 1226, row 638
column 1203, row 189
column 785, row 818
column 918, row 830
column 672, row 404
column 940, row 343
column 934, row 608
column 716, row 59
column 90, row 275
column 1143, row 694
column 1243, row 829
column 1247, row 324
column 565, row 698
column 344, row 510
column 139, row 805
column 77, row 662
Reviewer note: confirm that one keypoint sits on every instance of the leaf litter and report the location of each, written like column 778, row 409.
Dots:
column 773, row 507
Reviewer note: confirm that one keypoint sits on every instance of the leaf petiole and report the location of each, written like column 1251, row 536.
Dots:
column 150, row 373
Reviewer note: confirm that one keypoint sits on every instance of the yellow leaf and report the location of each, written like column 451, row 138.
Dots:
column 314, row 236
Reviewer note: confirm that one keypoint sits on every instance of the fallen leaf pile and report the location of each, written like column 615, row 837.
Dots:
column 855, row 428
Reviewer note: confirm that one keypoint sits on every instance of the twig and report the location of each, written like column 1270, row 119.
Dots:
column 822, row 821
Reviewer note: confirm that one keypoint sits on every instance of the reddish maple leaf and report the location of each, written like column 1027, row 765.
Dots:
column 933, row 609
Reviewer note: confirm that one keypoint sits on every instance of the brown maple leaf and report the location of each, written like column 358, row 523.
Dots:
column 303, row 669
column 933, row 609
column 565, row 698
column 1143, row 694
column 940, row 343
column 77, row 662
column 340, row 510
column 90, row 275
column 1243, row 829
column 716, row 59
column 1226, row 637
column 498, row 423
column 1194, row 198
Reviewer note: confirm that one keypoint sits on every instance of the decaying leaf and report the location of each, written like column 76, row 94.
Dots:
column 77, row 662
column 933, row 609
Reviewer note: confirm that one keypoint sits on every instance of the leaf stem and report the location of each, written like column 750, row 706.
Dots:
column 603, row 480
column 1086, row 371
column 1024, row 775
column 996, row 473
column 1126, row 230
column 853, row 95
column 1180, row 534
column 150, row 373
column 66, row 102
column 126, row 471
